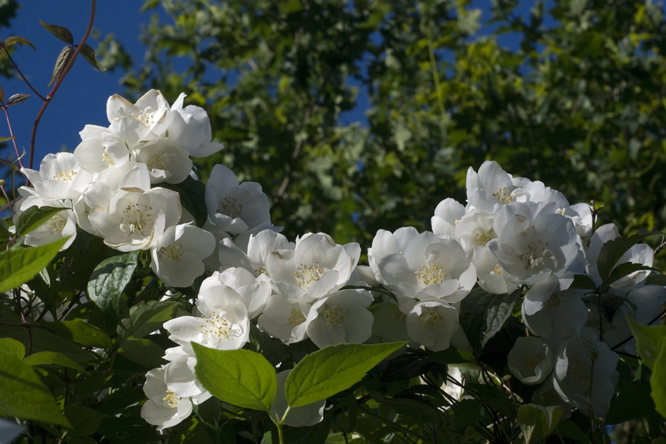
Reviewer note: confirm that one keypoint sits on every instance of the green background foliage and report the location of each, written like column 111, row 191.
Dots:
column 579, row 104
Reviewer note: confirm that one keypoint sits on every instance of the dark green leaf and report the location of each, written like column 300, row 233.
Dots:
column 85, row 421
column 63, row 34
column 83, row 333
column 62, row 60
column 658, row 381
column 482, row 315
column 51, row 358
column 333, row 369
column 537, row 422
column 649, row 341
column 16, row 40
column 621, row 271
column 656, row 279
column 583, row 282
column 23, row 395
column 146, row 317
column 18, row 266
column 631, row 403
column 89, row 54
column 612, row 251
column 33, row 218
column 5, row 139
column 143, row 351
column 240, row 377
column 192, row 193
column 109, row 279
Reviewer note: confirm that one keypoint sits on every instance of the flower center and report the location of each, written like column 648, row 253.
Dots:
column 334, row 316
column 108, row 161
column 56, row 224
column 172, row 251
column 430, row 274
column 230, row 207
column 482, row 239
column 305, row 276
column 146, row 118
column 216, row 326
column 296, row 317
column 137, row 218
column 156, row 162
column 503, row 196
column 171, row 399
column 65, row 176
column 431, row 320
column 497, row 270
column 538, row 256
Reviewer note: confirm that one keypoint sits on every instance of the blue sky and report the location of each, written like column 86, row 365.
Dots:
column 82, row 97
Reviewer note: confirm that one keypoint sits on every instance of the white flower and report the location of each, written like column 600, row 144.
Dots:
column 100, row 149
column 492, row 187
column 177, row 257
column 491, row 276
column 585, row 375
column 190, row 128
column 429, row 268
column 60, row 225
column 220, row 319
column 561, row 315
column 144, row 120
column 180, row 377
column 316, row 267
column 163, row 408
column 59, row 177
column 432, row 324
column 386, row 243
column 235, row 208
column 530, row 360
column 389, row 322
column 253, row 290
column 284, row 319
column 475, row 230
column 447, row 214
column 136, row 216
column 340, row 317
column 304, row 416
column 166, row 160
column 538, row 247
column 259, row 247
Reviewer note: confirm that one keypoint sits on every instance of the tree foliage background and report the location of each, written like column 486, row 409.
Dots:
column 579, row 104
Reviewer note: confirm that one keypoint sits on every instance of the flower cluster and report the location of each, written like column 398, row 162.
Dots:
column 513, row 235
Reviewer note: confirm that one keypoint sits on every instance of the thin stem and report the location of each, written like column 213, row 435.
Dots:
column 58, row 82
column 11, row 133
column 22, row 76
column 4, row 193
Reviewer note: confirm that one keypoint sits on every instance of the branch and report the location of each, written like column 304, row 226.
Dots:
column 61, row 77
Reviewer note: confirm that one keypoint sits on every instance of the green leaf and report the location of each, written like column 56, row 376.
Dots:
column 649, row 341
column 240, row 377
column 582, row 281
column 82, row 333
column 146, row 317
column 143, row 351
column 18, row 266
column 109, row 279
column 537, row 422
column 91, row 57
column 656, row 279
column 52, row 358
column 658, row 381
column 333, row 369
column 61, row 62
column 62, row 33
column 85, row 421
column 16, row 40
column 192, row 193
column 482, row 315
column 612, row 251
column 44, row 340
column 12, row 347
column 5, row 139
column 33, row 218
column 632, row 403
column 23, row 395
column 17, row 98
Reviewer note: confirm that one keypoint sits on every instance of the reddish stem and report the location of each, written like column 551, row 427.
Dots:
column 61, row 77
